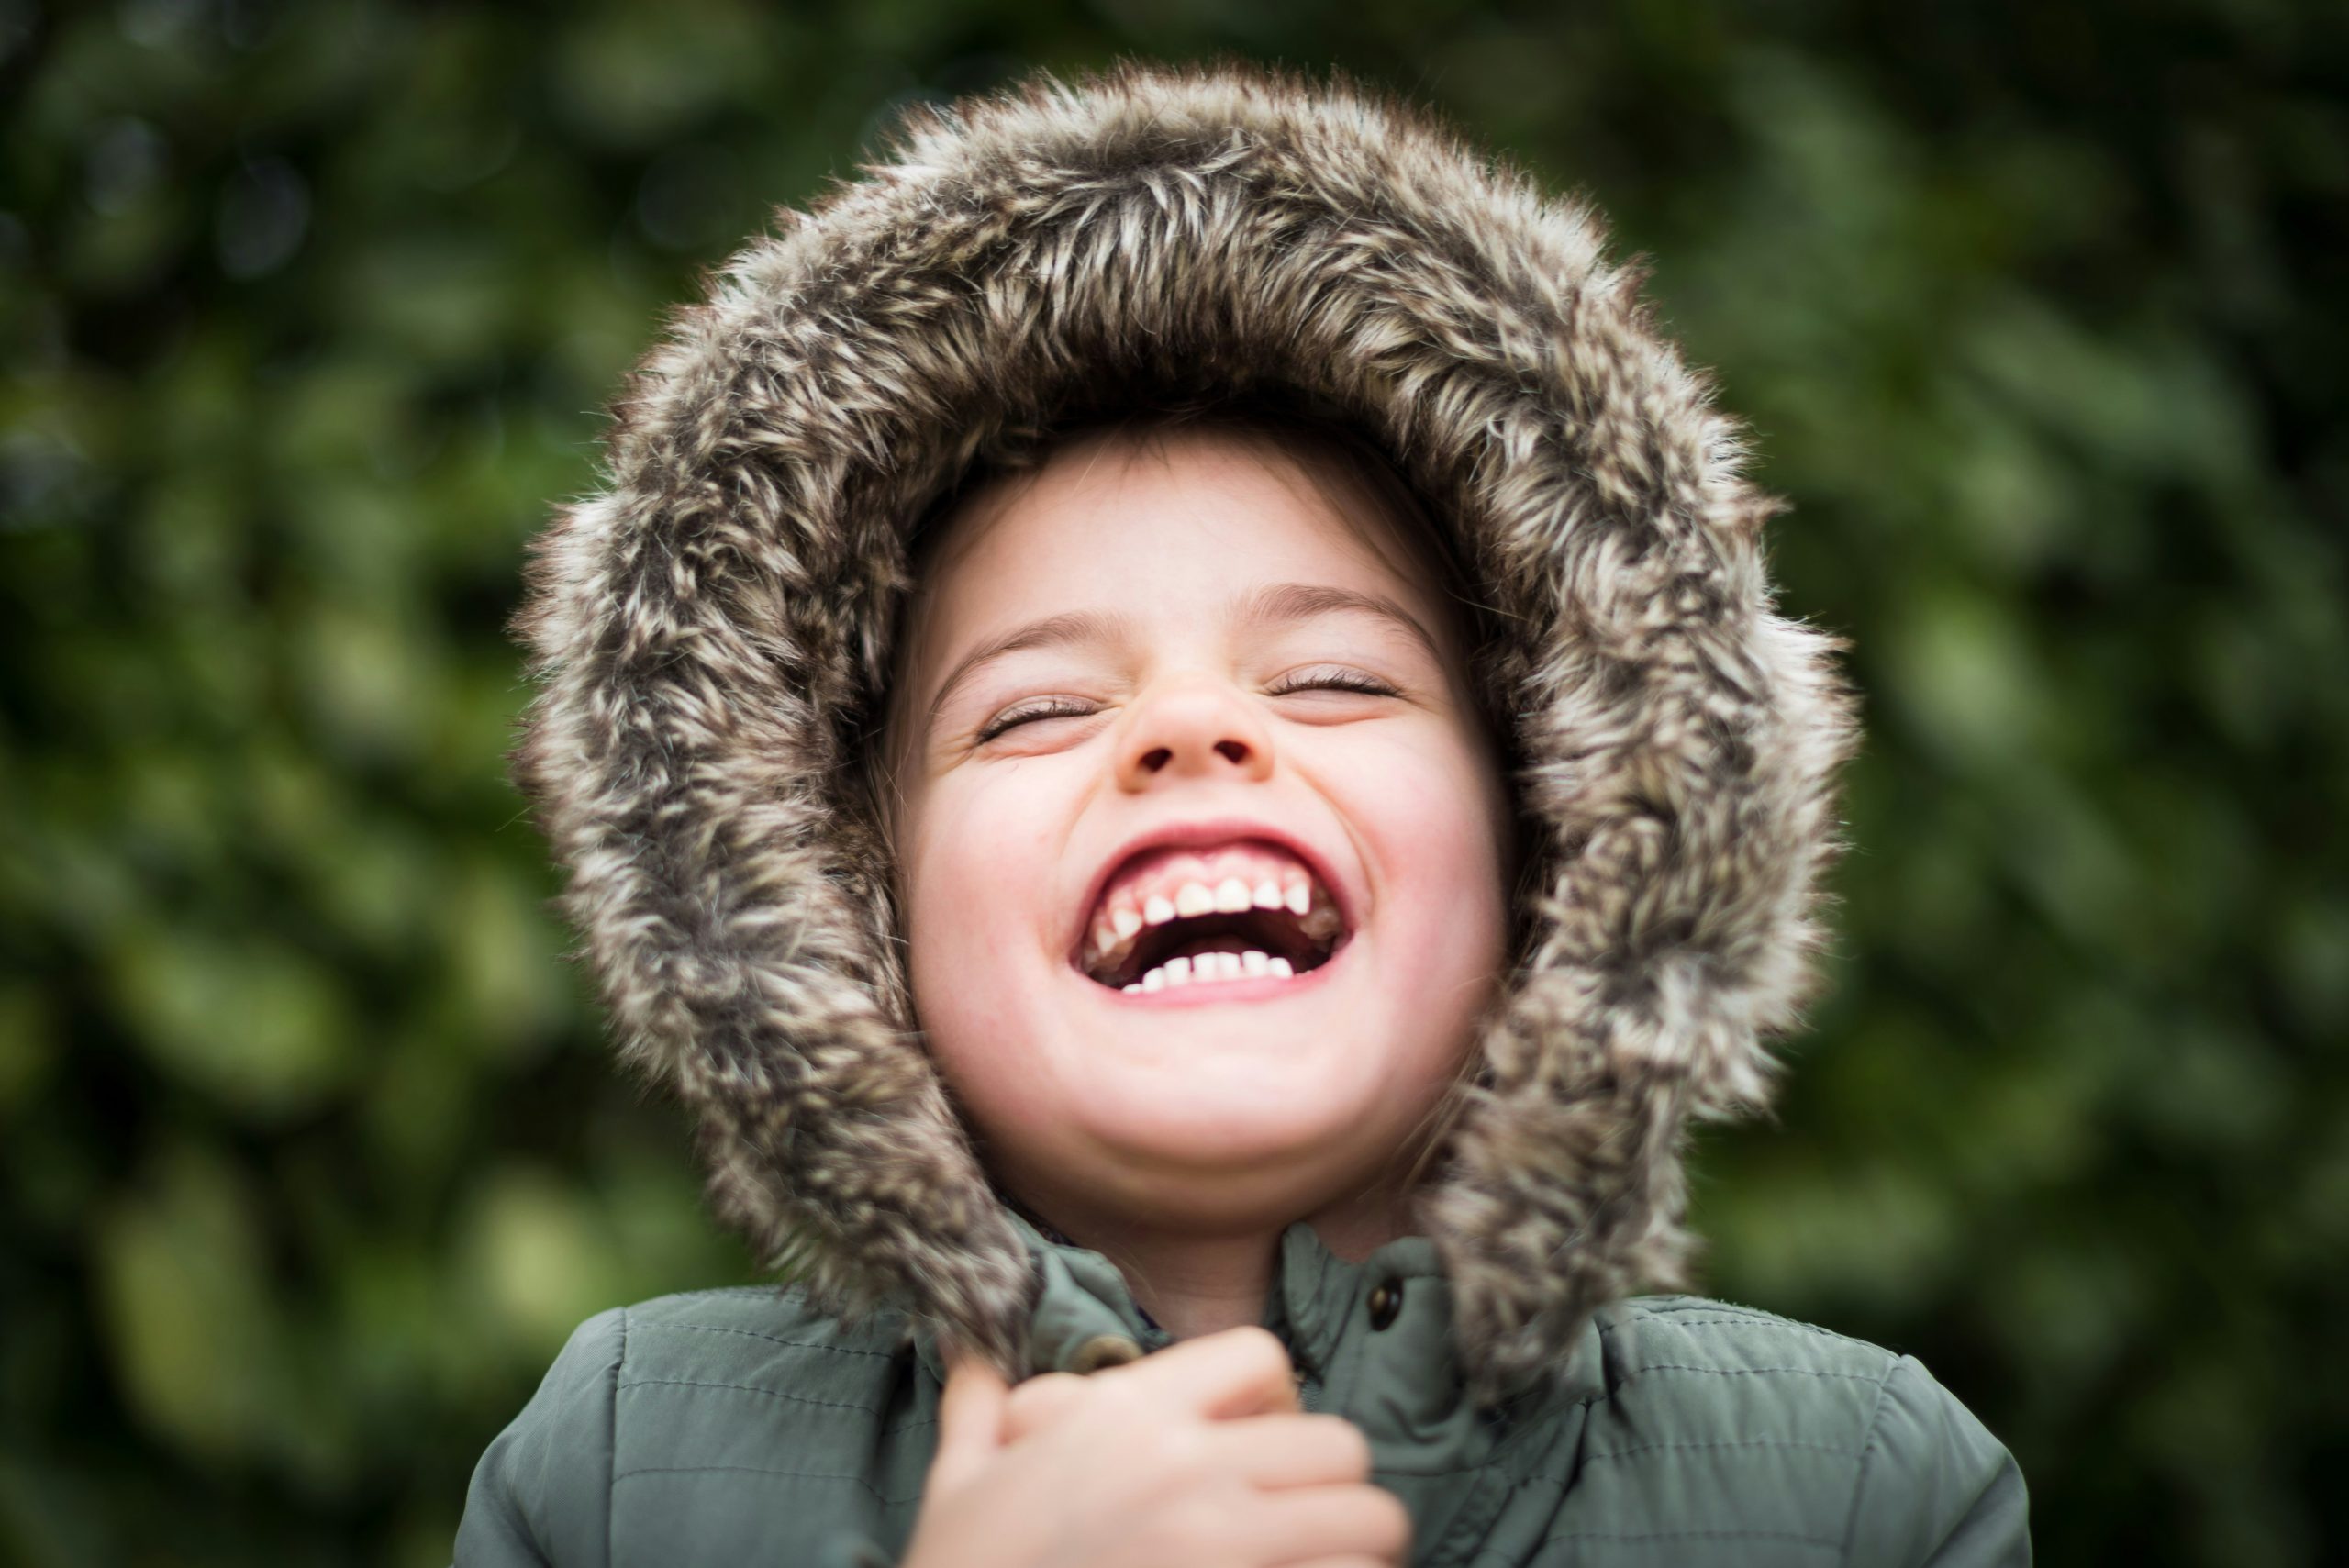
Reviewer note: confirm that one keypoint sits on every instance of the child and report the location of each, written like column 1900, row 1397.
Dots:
column 1172, row 730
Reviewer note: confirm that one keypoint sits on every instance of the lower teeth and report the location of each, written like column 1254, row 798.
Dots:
column 1212, row 966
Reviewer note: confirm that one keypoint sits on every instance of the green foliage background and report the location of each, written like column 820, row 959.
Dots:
column 310, row 1149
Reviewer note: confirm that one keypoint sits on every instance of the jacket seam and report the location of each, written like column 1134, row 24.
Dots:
column 747, row 1388
column 1975, row 1502
column 1541, row 1477
column 1867, row 1451
column 1515, row 1480
column 1757, row 1319
column 1757, row 1371
column 1718, row 1372
column 763, row 1470
column 776, row 1340
column 1836, row 1448
column 1788, row 1535
column 611, row 1487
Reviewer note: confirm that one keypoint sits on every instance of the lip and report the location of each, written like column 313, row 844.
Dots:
column 1196, row 834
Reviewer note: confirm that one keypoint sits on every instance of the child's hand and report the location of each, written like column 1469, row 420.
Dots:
column 1195, row 1457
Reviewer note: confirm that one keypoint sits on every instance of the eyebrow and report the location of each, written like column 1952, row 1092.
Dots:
column 1053, row 631
column 1272, row 604
column 1282, row 602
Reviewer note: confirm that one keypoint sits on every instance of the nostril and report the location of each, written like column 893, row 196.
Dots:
column 1232, row 751
column 1155, row 759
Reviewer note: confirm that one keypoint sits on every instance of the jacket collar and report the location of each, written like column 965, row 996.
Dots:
column 1083, row 1310
column 1372, row 1341
column 1385, row 1322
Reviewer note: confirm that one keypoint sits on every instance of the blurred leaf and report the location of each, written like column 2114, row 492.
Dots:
column 27, row 1046
column 1966, row 678
column 194, row 1333
column 259, row 1028
column 505, row 985
column 541, row 1256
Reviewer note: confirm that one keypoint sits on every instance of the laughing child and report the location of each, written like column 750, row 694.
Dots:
column 1172, row 729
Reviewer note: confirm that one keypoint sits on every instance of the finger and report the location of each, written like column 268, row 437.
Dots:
column 1238, row 1372
column 1273, row 1452
column 1040, row 1402
column 1311, row 1522
column 970, row 1422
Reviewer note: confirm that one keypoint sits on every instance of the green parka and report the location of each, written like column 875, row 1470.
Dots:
column 713, row 632
column 742, row 1425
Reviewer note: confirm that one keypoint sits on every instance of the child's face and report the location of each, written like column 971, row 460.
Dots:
column 1179, row 614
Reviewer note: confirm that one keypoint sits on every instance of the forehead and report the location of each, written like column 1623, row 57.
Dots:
column 1170, row 520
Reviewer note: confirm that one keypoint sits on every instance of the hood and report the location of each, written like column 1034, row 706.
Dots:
column 711, row 630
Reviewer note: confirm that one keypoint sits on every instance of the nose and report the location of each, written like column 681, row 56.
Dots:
column 1193, row 727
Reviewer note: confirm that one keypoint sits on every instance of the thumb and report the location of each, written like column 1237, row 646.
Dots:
column 970, row 1422
column 1041, row 1402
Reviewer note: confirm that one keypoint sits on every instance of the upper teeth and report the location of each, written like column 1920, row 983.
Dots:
column 1228, row 896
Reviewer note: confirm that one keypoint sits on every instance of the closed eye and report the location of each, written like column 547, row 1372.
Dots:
column 1333, row 679
column 1316, row 679
column 1049, row 707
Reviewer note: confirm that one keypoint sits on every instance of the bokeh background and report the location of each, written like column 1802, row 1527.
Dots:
column 310, row 1150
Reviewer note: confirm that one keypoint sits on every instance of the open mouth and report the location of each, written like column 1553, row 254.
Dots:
column 1190, row 916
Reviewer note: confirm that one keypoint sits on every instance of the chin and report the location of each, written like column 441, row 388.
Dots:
column 1205, row 1092
column 1184, row 1177
column 1241, row 1102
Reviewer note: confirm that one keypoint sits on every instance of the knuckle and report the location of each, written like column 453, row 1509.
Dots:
column 1046, row 1392
column 1392, row 1519
column 1348, row 1442
column 1267, row 1340
column 1179, row 1450
column 1047, row 1384
column 1123, row 1400
column 1263, row 1346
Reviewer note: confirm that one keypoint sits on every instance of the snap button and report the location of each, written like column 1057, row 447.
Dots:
column 1384, row 1302
column 1103, row 1350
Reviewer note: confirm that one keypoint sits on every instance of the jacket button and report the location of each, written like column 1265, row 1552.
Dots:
column 1103, row 1350
column 1384, row 1302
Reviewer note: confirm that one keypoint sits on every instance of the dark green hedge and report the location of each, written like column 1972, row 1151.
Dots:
column 310, row 1150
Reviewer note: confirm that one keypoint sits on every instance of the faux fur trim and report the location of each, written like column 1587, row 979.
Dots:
column 710, row 631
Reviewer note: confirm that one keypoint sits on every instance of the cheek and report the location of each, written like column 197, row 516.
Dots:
column 974, row 904
column 1436, row 825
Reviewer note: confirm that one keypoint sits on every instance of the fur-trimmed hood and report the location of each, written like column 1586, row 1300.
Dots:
column 712, row 629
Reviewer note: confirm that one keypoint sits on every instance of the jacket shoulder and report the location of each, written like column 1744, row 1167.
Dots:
column 1726, row 1433
column 687, row 1427
column 766, row 1333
